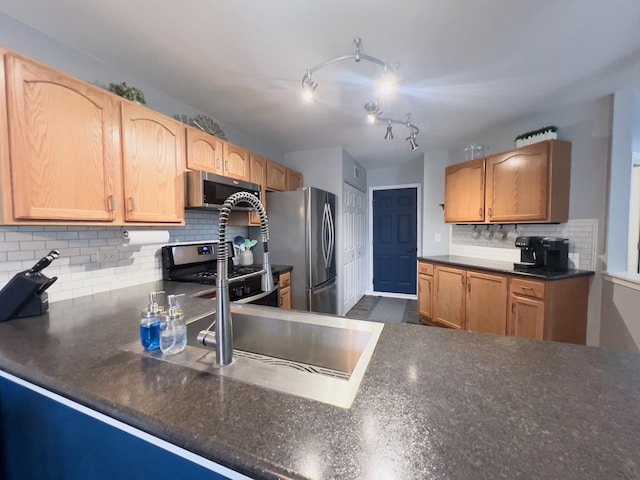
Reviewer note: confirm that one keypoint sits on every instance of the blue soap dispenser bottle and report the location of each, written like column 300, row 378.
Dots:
column 150, row 323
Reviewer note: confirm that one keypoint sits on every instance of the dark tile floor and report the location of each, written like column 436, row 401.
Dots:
column 365, row 306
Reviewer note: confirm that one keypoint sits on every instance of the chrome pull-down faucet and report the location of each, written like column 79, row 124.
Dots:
column 223, row 340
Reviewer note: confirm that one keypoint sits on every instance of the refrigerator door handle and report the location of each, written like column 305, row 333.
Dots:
column 324, row 236
column 329, row 284
column 332, row 236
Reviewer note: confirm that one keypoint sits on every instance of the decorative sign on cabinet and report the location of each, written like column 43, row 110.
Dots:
column 527, row 185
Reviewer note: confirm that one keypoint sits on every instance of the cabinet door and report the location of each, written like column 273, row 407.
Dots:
column 464, row 192
column 236, row 162
column 153, row 160
column 285, row 298
column 526, row 318
column 294, row 180
column 425, row 286
column 518, row 185
column 449, row 307
column 64, row 159
column 276, row 177
column 486, row 303
column 258, row 175
column 204, row 151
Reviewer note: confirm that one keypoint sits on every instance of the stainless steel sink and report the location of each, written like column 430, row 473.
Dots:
column 321, row 357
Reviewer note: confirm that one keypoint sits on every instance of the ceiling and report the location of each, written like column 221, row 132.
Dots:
column 467, row 67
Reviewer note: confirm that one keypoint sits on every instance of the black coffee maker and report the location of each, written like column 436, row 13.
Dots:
column 556, row 254
column 531, row 253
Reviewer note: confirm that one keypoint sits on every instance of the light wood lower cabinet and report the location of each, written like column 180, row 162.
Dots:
column 486, row 303
column 549, row 310
column 425, row 291
column 285, row 290
column 450, row 295
column 470, row 300
column 504, row 304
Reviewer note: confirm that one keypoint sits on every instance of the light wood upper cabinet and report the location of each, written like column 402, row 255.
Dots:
column 276, row 177
column 204, row 151
column 486, row 303
column 527, row 185
column 294, row 180
column 236, row 162
column 258, row 176
column 64, row 163
column 530, row 184
column 153, row 163
column 464, row 192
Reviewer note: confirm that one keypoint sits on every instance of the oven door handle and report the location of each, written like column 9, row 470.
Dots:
column 253, row 298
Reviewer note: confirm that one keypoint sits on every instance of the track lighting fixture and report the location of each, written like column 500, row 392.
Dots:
column 372, row 110
column 388, row 81
column 389, row 134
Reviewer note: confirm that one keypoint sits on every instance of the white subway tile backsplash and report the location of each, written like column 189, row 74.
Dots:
column 582, row 234
column 77, row 269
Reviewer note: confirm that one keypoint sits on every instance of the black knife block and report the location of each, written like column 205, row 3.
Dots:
column 25, row 296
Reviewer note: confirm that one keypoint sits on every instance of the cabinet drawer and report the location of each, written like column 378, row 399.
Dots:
column 285, row 279
column 527, row 288
column 425, row 268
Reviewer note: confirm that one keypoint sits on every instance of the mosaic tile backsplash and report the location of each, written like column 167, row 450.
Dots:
column 493, row 245
column 78, row 270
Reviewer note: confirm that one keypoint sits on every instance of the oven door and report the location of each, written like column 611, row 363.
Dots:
column 269, row 299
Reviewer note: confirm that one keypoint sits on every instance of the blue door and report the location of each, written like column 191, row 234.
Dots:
column 395, row 247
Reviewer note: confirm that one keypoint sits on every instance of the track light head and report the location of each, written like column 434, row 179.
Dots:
column 373, row 112
column 308, row 88
column 412, row 141
column 389, row 134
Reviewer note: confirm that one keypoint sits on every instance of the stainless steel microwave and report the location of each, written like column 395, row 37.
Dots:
column 208, row 191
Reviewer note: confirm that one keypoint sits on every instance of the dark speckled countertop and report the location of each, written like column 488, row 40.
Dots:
column 502, row 267
column 434, row 403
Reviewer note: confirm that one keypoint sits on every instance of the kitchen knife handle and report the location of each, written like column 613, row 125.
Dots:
column 44, row 262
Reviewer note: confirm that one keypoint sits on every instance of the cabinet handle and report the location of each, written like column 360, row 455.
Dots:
column 469, row 286
column 462, row 280
column 280, row 302
column 218, row 164
column 513, row 307
column 480, row 211
column 491, row 212
column 132, row 201
column 226, row 165
column 112, row 203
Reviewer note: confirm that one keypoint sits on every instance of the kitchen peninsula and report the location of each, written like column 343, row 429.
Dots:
column 434, row 403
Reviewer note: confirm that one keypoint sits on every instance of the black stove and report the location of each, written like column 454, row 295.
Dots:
column 198, row 263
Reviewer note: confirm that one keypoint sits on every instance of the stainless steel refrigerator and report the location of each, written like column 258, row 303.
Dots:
column 302, row 233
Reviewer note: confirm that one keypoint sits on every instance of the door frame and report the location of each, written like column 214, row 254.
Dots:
column 418, row 188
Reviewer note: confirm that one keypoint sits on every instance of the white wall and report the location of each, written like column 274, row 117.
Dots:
column 410, row 172
column 435, row 233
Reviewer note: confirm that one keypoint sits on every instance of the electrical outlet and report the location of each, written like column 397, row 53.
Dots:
column 105, row 256
column 437, row 238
